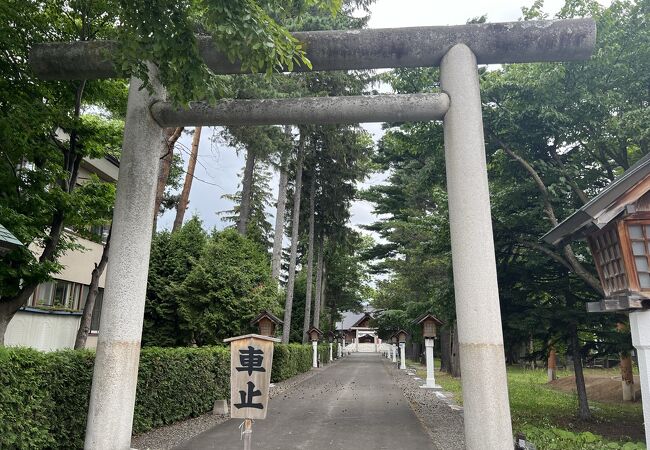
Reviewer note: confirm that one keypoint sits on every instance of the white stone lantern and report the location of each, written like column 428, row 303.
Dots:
column 314, row 335
column 430, row 324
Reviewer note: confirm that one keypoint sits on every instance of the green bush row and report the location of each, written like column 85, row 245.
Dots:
column 179, row 383
column 324, row 352
column 556, row 438
column 289, row 360
column 44, row 396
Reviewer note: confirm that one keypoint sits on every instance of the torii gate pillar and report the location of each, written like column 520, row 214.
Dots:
column 472, row 248
column 110, row 413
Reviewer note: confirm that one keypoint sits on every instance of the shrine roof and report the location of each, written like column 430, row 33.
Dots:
column 270, row 315
column 351, row 319
column 586, row 219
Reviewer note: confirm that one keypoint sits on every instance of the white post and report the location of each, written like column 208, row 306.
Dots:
column 640, row 328
column 431, row 378
column 356, row 341
column 402, row 355
column 474, row 266
column 394, row 353
column 343, row 350
column 331, row 358
column 112, row 397
column 314, row 346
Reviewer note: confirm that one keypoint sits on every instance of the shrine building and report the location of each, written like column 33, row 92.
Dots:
column 358, row 333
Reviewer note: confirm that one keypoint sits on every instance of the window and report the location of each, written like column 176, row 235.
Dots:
column 640, row 240
column 607, row 253
column 100, row 232
column 84, row 294
column 59, row 293
column 44, row 294
column 97, row 311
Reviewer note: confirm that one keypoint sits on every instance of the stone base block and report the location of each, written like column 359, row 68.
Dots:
column 220, row 407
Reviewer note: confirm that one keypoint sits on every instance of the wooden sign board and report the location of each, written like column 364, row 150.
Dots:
column 251, row 358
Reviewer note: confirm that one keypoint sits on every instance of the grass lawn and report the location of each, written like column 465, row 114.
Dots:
column 548, row 417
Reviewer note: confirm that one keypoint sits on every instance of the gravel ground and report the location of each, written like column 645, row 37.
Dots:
column 173, row 435
column 441, row 417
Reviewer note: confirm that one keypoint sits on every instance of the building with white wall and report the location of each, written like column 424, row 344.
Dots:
column 50, row 319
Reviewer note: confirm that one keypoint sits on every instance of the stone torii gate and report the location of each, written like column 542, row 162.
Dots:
column 457, row 50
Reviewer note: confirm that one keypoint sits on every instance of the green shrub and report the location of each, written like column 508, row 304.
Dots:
column 179, row 383
column 290, row 360
column 44, row 396
column 25, row 403
column 556, row 438
column 324, row 352
column 68, row 379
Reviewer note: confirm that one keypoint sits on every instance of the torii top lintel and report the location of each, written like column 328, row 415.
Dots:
column 492, row 43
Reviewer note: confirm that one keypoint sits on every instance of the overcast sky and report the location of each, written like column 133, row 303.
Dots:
column 218, row 166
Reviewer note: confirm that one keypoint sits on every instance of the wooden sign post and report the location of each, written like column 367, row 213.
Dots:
column 251, row 359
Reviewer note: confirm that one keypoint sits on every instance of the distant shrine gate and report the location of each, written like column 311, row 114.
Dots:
column 457, row 50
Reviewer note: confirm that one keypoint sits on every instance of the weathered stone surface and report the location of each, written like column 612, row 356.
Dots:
column 115, row 376
column 220, row 407
column 508, row 42
column 472, row 245
column 307, row 110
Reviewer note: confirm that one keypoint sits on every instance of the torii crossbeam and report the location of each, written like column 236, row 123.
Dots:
column 457, row 50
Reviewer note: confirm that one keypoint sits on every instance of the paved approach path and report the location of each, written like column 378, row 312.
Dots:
column 352, row 404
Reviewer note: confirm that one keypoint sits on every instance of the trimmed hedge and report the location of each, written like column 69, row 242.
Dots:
column 25, row 404
column 289, row 360
column 44, row 396
column 179, row 383
column 324, row 352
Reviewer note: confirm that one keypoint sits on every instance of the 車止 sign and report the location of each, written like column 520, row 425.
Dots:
column 251, row 358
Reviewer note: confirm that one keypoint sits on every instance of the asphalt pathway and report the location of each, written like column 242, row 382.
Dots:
column 353, row 403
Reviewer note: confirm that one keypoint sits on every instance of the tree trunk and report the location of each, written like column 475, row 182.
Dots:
column 552, row 365
column 187, row 186
column 445, row 350
column 323, row 287
column 9, row 307
column 286, row 330
column 455, row 353
column 276, row 256
column 332, row 309
column 531, row 351
column 246, row 193
column 4, row 323
column 627, row 377
column 7, row 311
column 89, row 306
column 319, row 285
column 166, row 160
column 310, row 263
column 583, row 404
column 569, row 259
